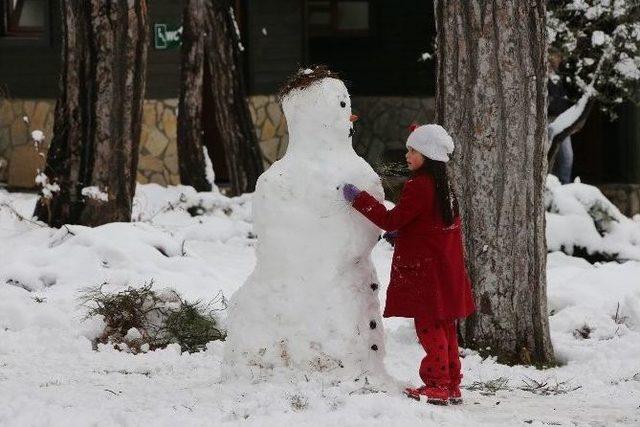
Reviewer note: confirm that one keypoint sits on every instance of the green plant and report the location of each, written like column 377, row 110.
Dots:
column 192, row 326
column 141, row 319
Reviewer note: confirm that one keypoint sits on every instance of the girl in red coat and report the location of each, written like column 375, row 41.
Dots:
column 429, row 282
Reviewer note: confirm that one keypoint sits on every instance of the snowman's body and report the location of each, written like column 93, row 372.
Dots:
column 312, row 301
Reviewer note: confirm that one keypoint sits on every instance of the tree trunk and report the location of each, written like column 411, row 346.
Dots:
column 491, row 96
column 213, row 73
column 191, row 159
column 98, row 113
column 231, row 111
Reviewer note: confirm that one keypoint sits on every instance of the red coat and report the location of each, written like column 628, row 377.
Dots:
column 428, row 276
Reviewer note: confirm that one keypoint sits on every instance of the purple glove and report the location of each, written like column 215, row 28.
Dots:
column 350, row 192
column 390, row 236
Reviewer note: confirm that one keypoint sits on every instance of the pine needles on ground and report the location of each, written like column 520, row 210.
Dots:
column 490, row 387
column 141, row 319
column 192, row 327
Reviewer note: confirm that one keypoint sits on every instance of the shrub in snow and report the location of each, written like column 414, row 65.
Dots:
column 141, row 319
column 582, row 222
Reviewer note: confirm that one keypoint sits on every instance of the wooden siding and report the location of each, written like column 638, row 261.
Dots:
column 30, row 69
column 275, row 55
column 385, row 63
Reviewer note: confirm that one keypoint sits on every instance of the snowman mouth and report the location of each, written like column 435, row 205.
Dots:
column 351, row 132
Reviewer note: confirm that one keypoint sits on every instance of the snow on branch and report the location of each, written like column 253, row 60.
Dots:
column 600, row 44
column 568, row 117
column 95, row 193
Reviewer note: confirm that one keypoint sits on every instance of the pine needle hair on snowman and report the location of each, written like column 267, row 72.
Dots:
column 304, row 79
column 436, row 146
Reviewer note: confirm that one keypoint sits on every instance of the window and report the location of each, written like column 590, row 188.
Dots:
column 25, row 19
column 339, row 17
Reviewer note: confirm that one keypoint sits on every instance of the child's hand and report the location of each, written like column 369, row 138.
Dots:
column 350, row 192
column 390, row 236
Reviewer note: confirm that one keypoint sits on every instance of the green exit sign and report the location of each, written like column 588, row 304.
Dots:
column 167, row 36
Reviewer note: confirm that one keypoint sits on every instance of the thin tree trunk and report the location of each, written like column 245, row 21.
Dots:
column 212, row 73
column 191, row 159
column 98, row 113
column 491, row 96
column 234, row 127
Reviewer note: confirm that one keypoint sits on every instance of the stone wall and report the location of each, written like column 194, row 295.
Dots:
column 17, row 119
column 383, row 124
column 381, row 128
column 380, row 135
column 271, row 127
column 158, row 150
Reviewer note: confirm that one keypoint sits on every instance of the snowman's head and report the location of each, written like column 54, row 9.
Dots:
column 317, row 106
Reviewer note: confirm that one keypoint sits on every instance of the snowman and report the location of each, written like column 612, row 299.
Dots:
column 311, row 303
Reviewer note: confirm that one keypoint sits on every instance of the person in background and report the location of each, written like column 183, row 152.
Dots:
column 557, row 103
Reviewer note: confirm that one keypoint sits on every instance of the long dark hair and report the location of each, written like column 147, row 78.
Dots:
column 446, row 195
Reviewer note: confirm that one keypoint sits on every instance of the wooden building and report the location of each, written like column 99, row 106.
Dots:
column 376, row 45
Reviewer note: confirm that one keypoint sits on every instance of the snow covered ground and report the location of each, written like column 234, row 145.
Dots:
column 49, row 374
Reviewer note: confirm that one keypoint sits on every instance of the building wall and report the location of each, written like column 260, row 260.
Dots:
column 35, row 64
column 274, row 42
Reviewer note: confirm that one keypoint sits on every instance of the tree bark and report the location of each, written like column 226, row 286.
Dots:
column 191, row 159
column 231, row 109
column 213, row 73
column 491, row 96
column 98, row 112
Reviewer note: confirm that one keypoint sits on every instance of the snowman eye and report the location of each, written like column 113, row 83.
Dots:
column 343, row 104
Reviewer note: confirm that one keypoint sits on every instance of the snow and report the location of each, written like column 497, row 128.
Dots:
column 37, row 136
column 95, row 193
column 47, row 188
column 579, row 216
column 627, row 67
column 208, row 169
column 598, row 38
column 308, row 304
column 236, row 28
column 569, row 116
column 49, row 374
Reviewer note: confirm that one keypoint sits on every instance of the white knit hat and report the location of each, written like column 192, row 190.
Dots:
column 431, row 141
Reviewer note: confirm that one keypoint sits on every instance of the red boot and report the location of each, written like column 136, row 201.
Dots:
column 455, row 395
column 434, row 394
column 412, row 393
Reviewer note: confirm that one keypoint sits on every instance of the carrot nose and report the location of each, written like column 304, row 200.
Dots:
column 353, row 118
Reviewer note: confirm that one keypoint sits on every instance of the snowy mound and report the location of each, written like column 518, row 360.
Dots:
column 159, row 247
column 581, row 221
column 311, row 303
column 50, row 375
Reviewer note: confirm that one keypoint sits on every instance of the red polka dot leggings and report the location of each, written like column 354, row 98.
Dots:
column 441, row 365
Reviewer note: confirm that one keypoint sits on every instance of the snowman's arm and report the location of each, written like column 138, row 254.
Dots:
column 412, row 201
